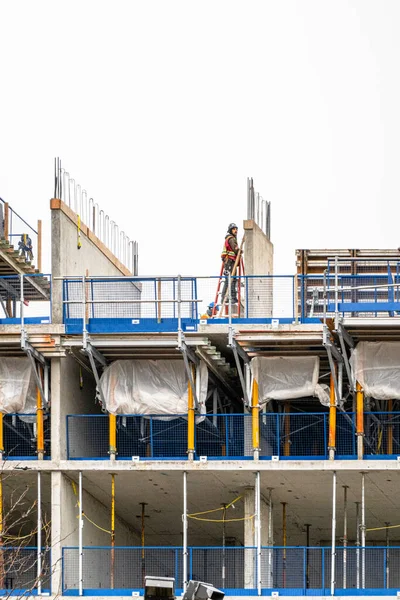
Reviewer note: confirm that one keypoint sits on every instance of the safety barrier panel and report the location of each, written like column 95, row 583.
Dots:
column 18, row 573
column 107, row 305
column 288, row 436
column 300, row 570
column 19, row 436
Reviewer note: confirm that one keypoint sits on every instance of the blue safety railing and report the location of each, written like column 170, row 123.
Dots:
column 287, row 436
column 18, row 573
column 19, row 436
column 291, row 571
column 134, row 304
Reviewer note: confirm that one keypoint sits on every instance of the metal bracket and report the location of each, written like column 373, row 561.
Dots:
column 346, row 337
column 33, row 356
column 237, row 350
column 187, row 354
column 93, row 355
column 332, row 352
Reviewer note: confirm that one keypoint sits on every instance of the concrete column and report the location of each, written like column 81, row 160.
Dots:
column 56, row 544
column 250, row 558
column 55, row 376
column 258, row 259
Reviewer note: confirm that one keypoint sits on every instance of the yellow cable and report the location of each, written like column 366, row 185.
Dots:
column 95, row 524
column 380, row 528
column 222, row 520
column 205, row 512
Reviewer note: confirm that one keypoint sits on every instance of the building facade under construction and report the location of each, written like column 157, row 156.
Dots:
column 257, row 450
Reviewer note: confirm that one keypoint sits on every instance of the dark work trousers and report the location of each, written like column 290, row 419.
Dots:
column 228, row 269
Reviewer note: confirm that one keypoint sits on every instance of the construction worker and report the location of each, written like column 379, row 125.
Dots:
column 209, row 312
column 25, row 247
column 228, row 256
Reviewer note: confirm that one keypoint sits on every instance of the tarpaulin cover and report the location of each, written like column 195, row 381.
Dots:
column 149, row 387
column 287, row 378
column 17, row 386
column 376, row 366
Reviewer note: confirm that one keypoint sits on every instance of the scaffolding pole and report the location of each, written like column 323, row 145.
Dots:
column 333, row 548
column 190, row 423
column 112, row 421
column 39, row 421
column 112, row 530
column 255, row 421
column 387, row 555
column 185, row 528
column 80, row 537
column 345, row 488
column 360, row 421
column 1, row 534
column 358, row 545
column 258, row 513
column 332, row 419
column 270, row 538
column 363, row 532
column 39, row 534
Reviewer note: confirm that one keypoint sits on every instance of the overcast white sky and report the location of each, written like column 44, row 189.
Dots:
column 162, row 109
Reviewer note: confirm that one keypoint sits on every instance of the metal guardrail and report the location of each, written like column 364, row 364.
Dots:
column 296, row 436
column 23, row 298
column 289, row 570
column 18, row 576
column 100, row 304
column 19, row 436
column 17, row 232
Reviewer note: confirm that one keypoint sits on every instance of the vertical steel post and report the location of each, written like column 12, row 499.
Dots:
column 39, row 421
column 387, row 556
column 270, row 539
column 39, row 534
column 185, row 527
column 360, row 421
column 390, row 428
column 190, row 432
column 112, row 531
column 284, row 543
column 345, row 488
column 80, row 537
column 258, row 493
column 332, row 420
column 255, row 421
column 363, row 530
column 84, row 330
column 286, row 445
column 333, row 547
column 307, row 526
column 223, row 545
column 179, row 299
column 112, row 425
column 358, row 545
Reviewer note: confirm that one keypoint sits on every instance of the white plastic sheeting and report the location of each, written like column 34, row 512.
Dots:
column 17, row 386
column 376, row 366
column 149, row 387
column 287, row 378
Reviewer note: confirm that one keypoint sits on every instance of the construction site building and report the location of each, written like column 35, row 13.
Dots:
column 257, row 451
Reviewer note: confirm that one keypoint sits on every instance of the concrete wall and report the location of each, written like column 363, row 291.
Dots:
column 67, row 259
column 258, row 260
column 69, row 398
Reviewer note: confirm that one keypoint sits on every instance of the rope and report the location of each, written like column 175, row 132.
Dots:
column 206, row 512
column 221, row 520
column 380, row 528
column 85, row 516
